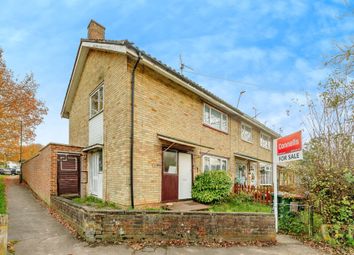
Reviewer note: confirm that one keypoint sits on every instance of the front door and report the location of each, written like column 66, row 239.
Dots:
column 176, row 176
column 184, row 176
column 170, row 176
column 95, row 174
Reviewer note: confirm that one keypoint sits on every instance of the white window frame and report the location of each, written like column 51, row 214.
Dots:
column 262, row 134
column 99, row 91
column 266, row 174
column 250, row 127
column 217, row 158
column 221, row 119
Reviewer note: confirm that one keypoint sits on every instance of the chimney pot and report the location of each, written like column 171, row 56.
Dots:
column 95, row 31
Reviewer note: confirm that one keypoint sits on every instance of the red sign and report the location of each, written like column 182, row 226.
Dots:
column 290, row 143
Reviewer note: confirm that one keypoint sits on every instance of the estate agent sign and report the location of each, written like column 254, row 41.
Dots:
column 285, row 149
column 289, row 148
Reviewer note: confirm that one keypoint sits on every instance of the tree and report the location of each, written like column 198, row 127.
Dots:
column 18, row 103
column 327, row 170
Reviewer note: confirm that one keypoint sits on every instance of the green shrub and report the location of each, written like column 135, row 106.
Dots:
column 212, row 186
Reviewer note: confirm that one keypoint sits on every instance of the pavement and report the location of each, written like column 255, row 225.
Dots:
column 38, row 233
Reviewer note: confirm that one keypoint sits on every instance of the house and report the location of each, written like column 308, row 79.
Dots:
column 147, row 130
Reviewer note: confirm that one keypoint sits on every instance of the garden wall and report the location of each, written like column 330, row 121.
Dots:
column 117, row 225
column 40, row 172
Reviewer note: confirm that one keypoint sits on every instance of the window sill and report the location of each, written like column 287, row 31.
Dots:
column 96, row 114
column 268, row 149
column 251, row 142
column 221, row 131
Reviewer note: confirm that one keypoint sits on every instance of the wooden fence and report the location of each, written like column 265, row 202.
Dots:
column 260, row 194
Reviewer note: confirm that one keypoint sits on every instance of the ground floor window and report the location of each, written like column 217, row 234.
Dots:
column 266, row 173
column 212, row 163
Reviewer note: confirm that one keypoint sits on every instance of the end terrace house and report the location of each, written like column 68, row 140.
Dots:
column 147, row 130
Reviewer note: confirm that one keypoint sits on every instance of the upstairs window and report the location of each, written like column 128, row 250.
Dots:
column 246, row 132
column 96, row 102
column 211, row 163
column 215, row 118
column 266, row 174
column 265, row 141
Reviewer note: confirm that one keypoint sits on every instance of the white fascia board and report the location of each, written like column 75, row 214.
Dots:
column 197, row 91
column 105, row 46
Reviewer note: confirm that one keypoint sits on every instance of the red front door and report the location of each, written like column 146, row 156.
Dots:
column 170, row 176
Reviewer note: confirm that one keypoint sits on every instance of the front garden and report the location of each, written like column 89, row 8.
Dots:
column 214, row 187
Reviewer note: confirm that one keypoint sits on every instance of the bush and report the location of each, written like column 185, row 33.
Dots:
column 212, row 186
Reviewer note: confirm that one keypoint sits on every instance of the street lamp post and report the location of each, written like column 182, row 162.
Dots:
column 21, row 153
column 239, row 97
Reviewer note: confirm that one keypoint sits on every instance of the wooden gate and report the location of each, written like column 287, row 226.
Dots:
column 68, row 174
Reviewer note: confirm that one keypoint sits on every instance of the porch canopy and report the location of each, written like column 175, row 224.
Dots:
column 242, row 156
column 173, row 142
column 94, row 147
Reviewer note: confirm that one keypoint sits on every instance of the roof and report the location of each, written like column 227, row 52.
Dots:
column 126, row 47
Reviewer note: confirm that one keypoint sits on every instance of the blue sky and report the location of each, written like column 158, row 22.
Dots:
column 274, row 50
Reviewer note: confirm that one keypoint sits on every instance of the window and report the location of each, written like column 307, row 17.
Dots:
column 215, row 118
column 211, row 163
column 266, row 174
column 96, row 102
column 170, row 162
column 265, row 141
column 246, row 132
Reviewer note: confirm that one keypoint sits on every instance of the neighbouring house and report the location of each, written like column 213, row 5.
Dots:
column 147, row 131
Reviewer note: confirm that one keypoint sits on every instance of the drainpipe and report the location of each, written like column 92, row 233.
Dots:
column 132, row 130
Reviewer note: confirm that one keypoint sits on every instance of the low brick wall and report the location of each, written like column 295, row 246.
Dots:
column 118, row 225
column 40, row 172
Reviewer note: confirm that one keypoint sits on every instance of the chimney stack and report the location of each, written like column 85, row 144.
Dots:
column 95, row 31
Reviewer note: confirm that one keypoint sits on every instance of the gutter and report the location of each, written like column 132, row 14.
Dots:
column 132, row 130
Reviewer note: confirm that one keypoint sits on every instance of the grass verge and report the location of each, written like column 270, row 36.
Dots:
column 2, row 196
column 240, row 203
column 95, row 202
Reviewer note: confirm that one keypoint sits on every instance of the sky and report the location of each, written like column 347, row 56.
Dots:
column 274, row 50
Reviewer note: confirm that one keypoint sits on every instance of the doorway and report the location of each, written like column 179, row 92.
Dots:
column 68, row 174
column 176, row 176
column 95, row 174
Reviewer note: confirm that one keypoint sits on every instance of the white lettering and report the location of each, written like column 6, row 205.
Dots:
column 288, row 144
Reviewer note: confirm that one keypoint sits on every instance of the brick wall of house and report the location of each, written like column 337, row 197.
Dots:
column 111, row 69
column 40, row 172
column 162, row 107
column 118, row 225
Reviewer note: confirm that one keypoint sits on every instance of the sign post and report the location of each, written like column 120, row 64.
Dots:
column 285, row 149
